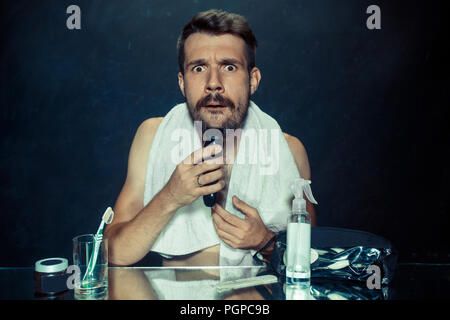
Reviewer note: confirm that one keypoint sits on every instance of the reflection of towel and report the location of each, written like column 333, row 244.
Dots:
column 261, row 176
column 166, row 286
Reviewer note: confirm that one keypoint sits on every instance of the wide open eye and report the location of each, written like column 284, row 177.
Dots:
column 198, row 69
column 230, row 67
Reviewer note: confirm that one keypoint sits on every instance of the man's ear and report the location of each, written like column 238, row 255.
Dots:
column 181, row 82
column 255, row 78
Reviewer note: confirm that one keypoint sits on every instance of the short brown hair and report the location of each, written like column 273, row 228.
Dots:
column 218, row 22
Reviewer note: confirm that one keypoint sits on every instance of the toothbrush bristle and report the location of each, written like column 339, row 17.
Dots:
column 108, row 215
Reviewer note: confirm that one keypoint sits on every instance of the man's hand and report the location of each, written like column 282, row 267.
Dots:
column 247, row 233
column 183, row 187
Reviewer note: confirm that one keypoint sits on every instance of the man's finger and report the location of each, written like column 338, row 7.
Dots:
column 213, row 188
column 206, row 167
column 244, row 208
column 228, row 217
column 226, row 237
column 223, row 225
column 213, row 150
column 203, row 153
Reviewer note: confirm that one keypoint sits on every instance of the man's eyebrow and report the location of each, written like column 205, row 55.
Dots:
column 221, row 61
column 230, row 61
column 196, row 62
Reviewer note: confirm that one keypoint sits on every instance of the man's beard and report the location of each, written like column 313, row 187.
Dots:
column 235, row 121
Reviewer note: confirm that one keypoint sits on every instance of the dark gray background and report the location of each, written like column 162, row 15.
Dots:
column 371, row 107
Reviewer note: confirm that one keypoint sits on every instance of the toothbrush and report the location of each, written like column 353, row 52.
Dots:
column 106, row 219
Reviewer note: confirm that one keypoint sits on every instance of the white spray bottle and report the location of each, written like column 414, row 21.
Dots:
column 298, row 264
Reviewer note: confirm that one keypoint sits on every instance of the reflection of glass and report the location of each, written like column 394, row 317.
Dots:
column 95, row 285
column 298, row 292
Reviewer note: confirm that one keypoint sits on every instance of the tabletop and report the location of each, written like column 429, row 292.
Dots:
column 412, row 281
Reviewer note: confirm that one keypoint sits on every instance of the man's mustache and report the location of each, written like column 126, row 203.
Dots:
column 217, row 98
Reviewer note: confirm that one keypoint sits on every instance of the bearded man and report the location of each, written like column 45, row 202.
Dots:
column 160, row 206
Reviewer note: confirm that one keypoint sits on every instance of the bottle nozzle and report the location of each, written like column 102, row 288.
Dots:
column 308, row 191
column 298, row 187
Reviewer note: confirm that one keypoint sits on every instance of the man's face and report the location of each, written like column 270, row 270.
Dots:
column 216, row 83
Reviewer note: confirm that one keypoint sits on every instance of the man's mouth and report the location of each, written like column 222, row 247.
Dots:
column 215, row 106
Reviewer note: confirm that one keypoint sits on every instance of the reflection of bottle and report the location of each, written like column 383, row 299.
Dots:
column 298, row 262
column 297, row 292
column 215, row 137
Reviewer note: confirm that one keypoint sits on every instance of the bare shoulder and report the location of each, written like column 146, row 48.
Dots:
column 141, row 147
column 149, row 126
column 301, row 159
column 300, row 155
column 294, row 144
column 130, row 199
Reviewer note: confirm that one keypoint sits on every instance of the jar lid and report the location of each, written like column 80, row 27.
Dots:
column 51, row 265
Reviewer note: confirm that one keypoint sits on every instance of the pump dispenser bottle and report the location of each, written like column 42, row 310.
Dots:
column 298, row 270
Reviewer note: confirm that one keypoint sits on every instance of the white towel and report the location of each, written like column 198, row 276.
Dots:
column 261, row 176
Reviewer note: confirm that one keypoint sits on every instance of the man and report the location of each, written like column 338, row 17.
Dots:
column 217, row 76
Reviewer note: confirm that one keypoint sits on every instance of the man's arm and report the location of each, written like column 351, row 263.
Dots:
column 301, row 159
column 135, row 228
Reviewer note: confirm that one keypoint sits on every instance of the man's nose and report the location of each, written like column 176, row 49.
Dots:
column 214, row 82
